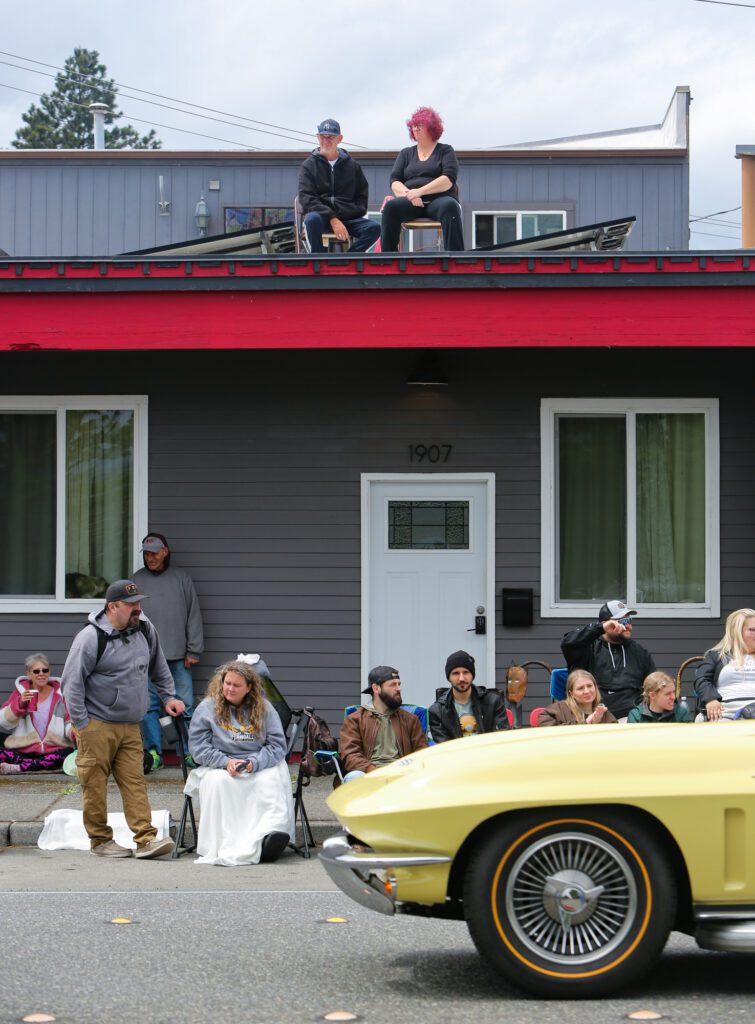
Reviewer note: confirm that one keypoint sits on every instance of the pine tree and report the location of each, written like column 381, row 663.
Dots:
column 63, row 121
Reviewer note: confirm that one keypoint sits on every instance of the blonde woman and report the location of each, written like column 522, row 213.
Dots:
column 582, row 706
column 725, row 680
column 659, row 703
column 243, row 783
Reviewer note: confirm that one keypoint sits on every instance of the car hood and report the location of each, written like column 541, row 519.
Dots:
column 478, row 777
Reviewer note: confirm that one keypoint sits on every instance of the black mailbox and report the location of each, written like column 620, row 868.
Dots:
column 516, row 605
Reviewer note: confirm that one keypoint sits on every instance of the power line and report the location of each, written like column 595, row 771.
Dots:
column 87, row 83
column 292, row 132
column 714, row 234
column 718, row 213
column 156, row 124
column 725, row 3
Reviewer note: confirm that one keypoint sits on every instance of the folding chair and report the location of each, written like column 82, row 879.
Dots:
column 517, row 680
column 558, row 683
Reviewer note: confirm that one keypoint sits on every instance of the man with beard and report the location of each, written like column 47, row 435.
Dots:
column 465, row 709
column 104, row 685
column 382, row 732
column 606, row 649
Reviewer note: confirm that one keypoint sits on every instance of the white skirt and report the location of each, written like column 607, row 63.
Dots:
column 237, row 813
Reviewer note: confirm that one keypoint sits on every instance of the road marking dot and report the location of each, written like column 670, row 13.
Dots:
column 121, row 920
column 38, row 1018
column 340, row 1015
column 336, row 920
column 645, row 1015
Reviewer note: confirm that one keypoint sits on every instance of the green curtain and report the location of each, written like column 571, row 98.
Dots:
column 27, row 504
column 670, row 507
column 592, row 503
column 99, row 498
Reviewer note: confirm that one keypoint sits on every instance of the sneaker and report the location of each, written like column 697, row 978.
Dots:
column 9, row 769
column 155, row 848
column 273, row 846
column 189, row 761
column 111, row 849
column 157, row 761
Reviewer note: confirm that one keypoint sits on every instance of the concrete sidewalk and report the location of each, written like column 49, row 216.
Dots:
column 25, row 801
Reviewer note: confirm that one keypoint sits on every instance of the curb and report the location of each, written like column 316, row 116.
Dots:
column 26, row 833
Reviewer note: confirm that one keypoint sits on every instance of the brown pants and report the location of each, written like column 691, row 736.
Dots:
column 113, row 747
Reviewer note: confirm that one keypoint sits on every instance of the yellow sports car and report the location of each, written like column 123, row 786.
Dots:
column 571, row 853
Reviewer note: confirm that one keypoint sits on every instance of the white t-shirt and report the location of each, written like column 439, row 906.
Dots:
column 738, row 683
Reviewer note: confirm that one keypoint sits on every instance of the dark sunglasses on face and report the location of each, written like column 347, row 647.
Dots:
column 39, row 671
column 626, row 621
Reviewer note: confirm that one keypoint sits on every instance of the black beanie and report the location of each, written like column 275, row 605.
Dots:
column 459, row 659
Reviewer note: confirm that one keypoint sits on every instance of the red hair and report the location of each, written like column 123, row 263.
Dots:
column 428, row 118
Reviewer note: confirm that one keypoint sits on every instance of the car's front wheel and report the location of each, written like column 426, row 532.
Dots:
column 569, row 905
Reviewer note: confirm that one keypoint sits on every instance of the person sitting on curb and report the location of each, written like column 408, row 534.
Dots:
column 465, row 709
column 659, row 703
column 379, row 734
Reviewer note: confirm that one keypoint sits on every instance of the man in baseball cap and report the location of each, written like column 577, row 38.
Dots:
column 465, row 709
column 333, row 194
column 174, row 610
column 382, row 732
column 606, row 649
column 104, row 685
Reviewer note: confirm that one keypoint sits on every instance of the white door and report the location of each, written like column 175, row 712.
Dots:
column 427, row 574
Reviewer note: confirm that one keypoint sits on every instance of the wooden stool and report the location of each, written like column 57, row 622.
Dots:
column 333, row 244
column 424, row 224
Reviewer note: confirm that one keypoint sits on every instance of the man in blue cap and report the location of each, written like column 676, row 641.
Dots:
column 333, row 194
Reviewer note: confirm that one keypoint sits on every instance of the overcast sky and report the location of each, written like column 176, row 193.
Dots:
column 499, row 71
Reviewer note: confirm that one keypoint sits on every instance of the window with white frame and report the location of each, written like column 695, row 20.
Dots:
column 630, row 506
column 494, row 227
column 72, row 496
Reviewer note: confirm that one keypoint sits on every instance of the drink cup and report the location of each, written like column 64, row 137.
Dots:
column 33, row 702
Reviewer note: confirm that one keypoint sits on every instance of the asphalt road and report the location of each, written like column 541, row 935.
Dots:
column 209, row 945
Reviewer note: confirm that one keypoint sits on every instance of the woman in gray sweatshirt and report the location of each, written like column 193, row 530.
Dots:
column 236, row 730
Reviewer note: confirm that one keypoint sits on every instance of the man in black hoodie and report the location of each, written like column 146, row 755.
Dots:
column 333, row 194
column 606, row 649
column 465, row 709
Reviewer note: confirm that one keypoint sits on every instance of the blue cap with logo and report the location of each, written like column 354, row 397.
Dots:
column 329, row 127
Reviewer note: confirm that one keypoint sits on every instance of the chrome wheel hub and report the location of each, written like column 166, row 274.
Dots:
column 571, row 898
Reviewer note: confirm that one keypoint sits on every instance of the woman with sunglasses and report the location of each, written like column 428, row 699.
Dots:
column 35, row 717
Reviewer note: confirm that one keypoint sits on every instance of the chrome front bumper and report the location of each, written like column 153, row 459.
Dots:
column 353, row 872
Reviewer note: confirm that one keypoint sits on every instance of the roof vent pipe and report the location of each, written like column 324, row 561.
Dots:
column 99, row 111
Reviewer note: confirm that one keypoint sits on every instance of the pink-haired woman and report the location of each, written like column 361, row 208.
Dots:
column 424, row 184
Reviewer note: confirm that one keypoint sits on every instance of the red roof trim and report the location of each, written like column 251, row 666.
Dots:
column 417, row 318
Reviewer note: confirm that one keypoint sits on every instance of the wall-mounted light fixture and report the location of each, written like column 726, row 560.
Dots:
column 427, row 372
column 201, row 216
column 163, row 204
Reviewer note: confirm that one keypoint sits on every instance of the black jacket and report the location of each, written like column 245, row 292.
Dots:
column 619, row 669
column 487, row 707
column 706, row 677
column 340, row 191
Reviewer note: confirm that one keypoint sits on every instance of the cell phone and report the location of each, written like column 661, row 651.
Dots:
column 242, row 767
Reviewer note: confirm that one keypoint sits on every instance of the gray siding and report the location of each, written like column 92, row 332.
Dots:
column 254, row 468
column 103, row 205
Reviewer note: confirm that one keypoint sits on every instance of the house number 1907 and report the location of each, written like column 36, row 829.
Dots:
column 430, row 452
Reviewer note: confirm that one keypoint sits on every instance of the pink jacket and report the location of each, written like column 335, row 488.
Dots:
column 16, row 720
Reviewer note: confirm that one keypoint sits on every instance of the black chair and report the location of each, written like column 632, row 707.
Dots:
column 294, row 721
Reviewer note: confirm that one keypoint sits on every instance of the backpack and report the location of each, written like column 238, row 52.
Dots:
column 102, row 641
column 103, row 637
column 317, row 736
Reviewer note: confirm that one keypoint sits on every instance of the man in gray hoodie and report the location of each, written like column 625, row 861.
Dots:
column 104, row 684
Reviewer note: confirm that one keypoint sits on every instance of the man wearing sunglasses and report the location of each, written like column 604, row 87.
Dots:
column 606, row 649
